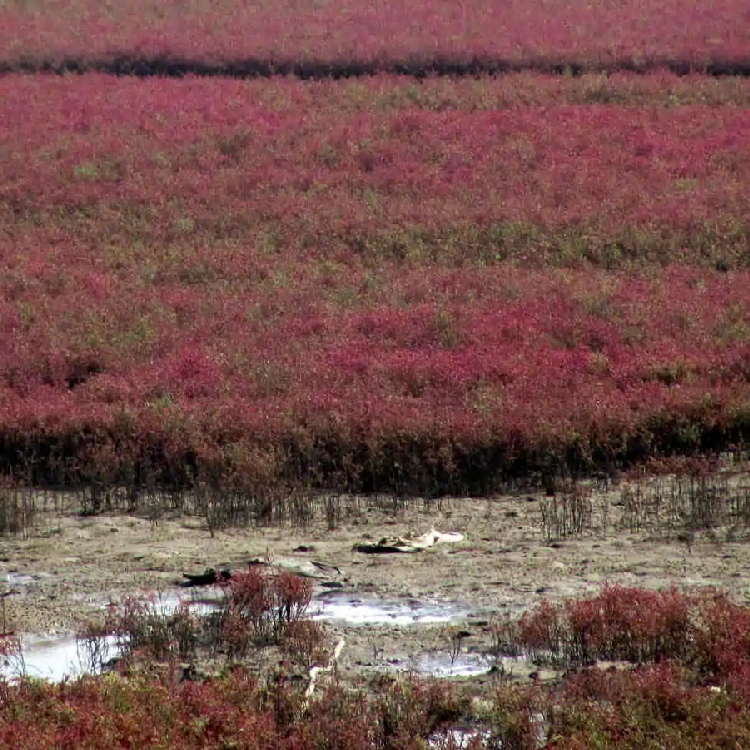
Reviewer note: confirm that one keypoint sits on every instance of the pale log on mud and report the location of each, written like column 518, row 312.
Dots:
column 410, row 544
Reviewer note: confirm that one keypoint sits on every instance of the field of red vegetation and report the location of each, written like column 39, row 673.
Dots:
column 345, row 284
column 302, row 252
column 202, row 161
column 347, row 37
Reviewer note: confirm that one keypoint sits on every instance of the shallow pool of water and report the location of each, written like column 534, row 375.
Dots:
column 339, row 606
column 441, row 665
column 56, row 658
column 200, row 601
column 373, row 611
column 53, row 658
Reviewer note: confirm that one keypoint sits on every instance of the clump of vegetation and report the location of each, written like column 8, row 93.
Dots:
column 704, row 632
column 259, row 609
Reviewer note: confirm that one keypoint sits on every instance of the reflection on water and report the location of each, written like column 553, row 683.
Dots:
column 201, row 601
column 441, row 665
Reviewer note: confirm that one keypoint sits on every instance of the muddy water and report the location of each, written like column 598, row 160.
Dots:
column 440, row 664
column 200, row 601
column 52, row 658
column 57, row 657
column 340, row 607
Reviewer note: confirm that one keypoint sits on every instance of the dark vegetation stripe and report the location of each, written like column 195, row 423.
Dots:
column 403, row 464
column 176, row 67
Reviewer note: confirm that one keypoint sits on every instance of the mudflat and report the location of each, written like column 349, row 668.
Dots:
column 396, row 611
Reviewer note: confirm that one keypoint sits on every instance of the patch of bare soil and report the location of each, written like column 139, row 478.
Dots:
column 68, row 567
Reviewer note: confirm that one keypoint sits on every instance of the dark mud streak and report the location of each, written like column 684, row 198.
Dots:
column 175, row 67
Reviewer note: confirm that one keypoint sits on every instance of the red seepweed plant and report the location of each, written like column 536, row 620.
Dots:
column 266, row 601
column 704, row 631
column 261, row 608
column 467, row 303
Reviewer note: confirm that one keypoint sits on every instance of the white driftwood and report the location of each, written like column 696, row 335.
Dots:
column 315, row 672
column 433, row 537
column 414, row 543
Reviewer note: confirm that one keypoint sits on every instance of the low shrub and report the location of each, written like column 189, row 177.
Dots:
column 706, row 631
column 261, row 605
column 149, row 631
column 260, row 608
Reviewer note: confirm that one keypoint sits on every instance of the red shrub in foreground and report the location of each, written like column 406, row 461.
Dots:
column 631, row 624
column 687, row 686
column 696, row 696
column 706, row 632
column 621, row 623
column 261, row 605
column 233, row 711
column 649, row 707
column 723, row 641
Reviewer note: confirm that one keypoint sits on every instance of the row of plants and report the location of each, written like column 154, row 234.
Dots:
column 683, row 498
column 236, row 711
column 257, row 609
column 704, row 631
column 679, row 679
column 344, row 37
column 238, row 291
column 651, row 707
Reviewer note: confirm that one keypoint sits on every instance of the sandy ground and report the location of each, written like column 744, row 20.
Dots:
column 69, row 566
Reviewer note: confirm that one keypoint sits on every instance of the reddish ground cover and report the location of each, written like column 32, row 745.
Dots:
column 679, row 680
column 353, row 371
column 350, row 36
column 103, row 162
column 298, row 291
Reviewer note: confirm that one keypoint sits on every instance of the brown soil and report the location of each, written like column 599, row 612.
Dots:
column 69, row 566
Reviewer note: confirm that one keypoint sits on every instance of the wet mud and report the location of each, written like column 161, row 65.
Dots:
column 396, row 612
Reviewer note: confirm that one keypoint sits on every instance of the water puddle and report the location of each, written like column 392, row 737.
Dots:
column 326, row 605
column 372, row 611
column 55, row 658
column 52, row 658
column 457, row 738
column 58, row 657
column 334, row 605
column 441, row 665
